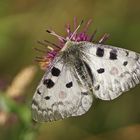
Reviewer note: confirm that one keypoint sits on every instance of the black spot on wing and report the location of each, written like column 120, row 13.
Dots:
column 38, row 92
column 97, row 87
column 49, row 83
column 100, row 52
column 55, row 71
column 113, row 54
column 127, row 53
column 47, row 97
column 69, row 85
column 125, row 63
column 101, row 70
column 34, row 102
column 137, row 57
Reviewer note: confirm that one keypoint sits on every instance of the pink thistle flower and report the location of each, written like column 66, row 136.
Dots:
column 76, row 36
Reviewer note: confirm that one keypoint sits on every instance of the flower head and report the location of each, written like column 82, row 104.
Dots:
column 71, row 35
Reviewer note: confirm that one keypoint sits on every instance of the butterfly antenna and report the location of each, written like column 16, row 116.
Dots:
column 58, row 36
column 104, row 38
column 76, row 29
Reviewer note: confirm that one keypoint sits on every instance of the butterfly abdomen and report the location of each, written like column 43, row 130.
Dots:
column 84, row 73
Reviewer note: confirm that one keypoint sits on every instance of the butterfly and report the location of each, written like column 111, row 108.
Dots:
column 78, row 71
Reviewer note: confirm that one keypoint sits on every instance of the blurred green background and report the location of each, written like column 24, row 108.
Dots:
column 22, row 23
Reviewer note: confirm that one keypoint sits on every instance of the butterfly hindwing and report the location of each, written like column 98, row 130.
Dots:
column 115, row 70
column 59, row 95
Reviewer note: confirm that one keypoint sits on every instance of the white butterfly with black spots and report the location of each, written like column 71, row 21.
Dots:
column 81, row 71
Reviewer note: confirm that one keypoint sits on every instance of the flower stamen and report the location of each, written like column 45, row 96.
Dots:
column 54, row 34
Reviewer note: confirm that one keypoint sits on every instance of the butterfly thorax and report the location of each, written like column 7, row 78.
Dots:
column 71, row 53
column 72, row 57
column 70, row 45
